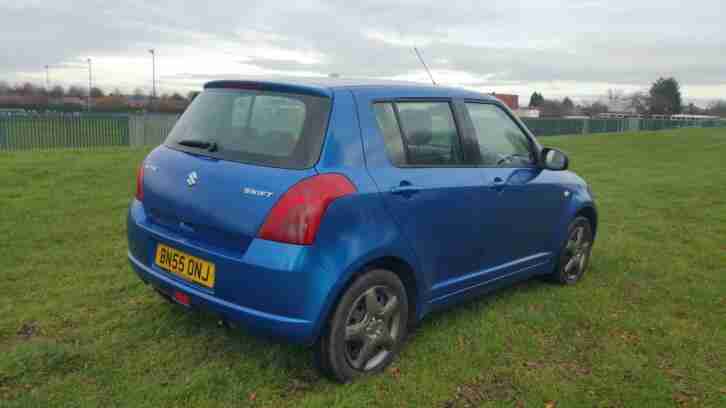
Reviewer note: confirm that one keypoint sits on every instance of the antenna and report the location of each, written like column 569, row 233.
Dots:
column 418, row 54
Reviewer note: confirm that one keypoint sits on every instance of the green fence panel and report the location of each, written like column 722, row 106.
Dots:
column 3, row 133
column 63, row 131
column 89, row 130
column 553, row 126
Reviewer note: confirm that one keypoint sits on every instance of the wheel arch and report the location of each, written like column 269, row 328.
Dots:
column 590, row 213
column 399, row 266
column 405, row 273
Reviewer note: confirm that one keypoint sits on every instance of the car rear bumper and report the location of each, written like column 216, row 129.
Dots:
column 258, row 322
column 273, row 289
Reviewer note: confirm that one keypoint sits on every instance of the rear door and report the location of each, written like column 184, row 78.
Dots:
column 414, row 153
column 227, row 161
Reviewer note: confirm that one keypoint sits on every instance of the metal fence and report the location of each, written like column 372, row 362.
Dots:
column 88, row 130
column 552, row 127
column 150, row 129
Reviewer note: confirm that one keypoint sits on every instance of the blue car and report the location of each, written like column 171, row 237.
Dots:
column 340, row 214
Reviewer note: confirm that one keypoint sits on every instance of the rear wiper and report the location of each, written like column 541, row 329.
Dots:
column 200, row 144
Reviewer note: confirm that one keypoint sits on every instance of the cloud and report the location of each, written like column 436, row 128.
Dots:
column 561, row 47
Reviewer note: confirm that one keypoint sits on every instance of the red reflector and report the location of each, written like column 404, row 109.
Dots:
column 182, row 298
column 296, row 217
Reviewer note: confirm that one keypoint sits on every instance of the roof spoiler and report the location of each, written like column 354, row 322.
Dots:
column 281, row 87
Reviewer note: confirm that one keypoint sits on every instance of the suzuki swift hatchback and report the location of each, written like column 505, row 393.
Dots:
column 339, row 215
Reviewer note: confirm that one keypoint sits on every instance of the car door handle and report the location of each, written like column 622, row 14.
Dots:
column 498, row 184
column 405, row 189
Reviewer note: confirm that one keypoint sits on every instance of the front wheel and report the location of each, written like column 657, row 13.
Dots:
column 575, row 254
column 366, row 329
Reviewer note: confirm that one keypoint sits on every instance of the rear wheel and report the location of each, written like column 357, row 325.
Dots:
column 575, row 255
column 366, row 329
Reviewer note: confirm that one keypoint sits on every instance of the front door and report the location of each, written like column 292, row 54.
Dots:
column 529, row 202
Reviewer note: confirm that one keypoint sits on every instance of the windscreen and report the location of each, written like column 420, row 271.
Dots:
column 254, row 127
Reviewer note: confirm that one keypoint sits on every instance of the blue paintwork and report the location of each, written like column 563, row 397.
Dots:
column 461, row 231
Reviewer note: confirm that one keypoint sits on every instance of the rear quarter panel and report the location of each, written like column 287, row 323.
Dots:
column 356, row 229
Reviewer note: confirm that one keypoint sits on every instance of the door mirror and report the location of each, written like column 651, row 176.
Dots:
column 553, row 159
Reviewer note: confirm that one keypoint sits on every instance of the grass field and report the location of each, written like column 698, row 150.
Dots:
column 646, row 327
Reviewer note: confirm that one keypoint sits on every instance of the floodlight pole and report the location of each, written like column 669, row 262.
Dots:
column 153, row 73
column 90, row 80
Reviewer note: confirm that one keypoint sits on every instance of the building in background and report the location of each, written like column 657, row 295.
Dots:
column 512, row 101
column 137, row 101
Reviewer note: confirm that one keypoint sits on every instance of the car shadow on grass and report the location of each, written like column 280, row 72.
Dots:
column 288, row 367
column 273, row 357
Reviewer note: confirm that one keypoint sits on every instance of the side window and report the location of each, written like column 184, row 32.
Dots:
column 386, row 118
column 429, row 133
column 501, row 142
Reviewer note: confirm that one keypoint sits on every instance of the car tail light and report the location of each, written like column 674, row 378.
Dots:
column 296, row 217
column 140, row 183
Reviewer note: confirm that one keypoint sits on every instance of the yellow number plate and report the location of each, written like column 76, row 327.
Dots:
column 188, row 267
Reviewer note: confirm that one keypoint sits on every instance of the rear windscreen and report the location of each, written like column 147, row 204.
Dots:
column 255, row 127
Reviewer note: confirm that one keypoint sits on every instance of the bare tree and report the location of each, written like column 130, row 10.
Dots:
column 57, row 92
column 26, row 89
column 615, row 95
column 594, row 109
column 5, row 88
column 717, row 108
column 97, row 92
column 692, row 109
column 568, row 106
column 639, row 102
column 552, row 109
column 76, row 91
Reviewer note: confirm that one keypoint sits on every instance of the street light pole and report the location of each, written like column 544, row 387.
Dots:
column 153, row 73
column 90, row 79
column 47, row 78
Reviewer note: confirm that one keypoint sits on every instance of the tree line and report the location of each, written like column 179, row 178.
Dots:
column 37, row 98
column 663, row 98
column 58, row 91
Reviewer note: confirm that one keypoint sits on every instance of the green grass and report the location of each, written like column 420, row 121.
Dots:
column 646, row 327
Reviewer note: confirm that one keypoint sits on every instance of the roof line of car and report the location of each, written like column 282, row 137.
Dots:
column 326, row 89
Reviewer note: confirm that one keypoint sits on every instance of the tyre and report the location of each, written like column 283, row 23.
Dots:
column 574, row 257
column 367, row 328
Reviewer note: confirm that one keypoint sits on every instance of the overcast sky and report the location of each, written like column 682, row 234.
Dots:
column 577, row 48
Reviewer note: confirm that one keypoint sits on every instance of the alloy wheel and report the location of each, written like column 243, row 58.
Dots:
column 576, row 253
column 372, row 328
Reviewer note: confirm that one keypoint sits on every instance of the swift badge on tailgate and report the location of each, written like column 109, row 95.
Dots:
column 258, row 193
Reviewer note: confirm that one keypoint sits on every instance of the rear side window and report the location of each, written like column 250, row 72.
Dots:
column 419, row 133
column 262, row 128
column 386, row 118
